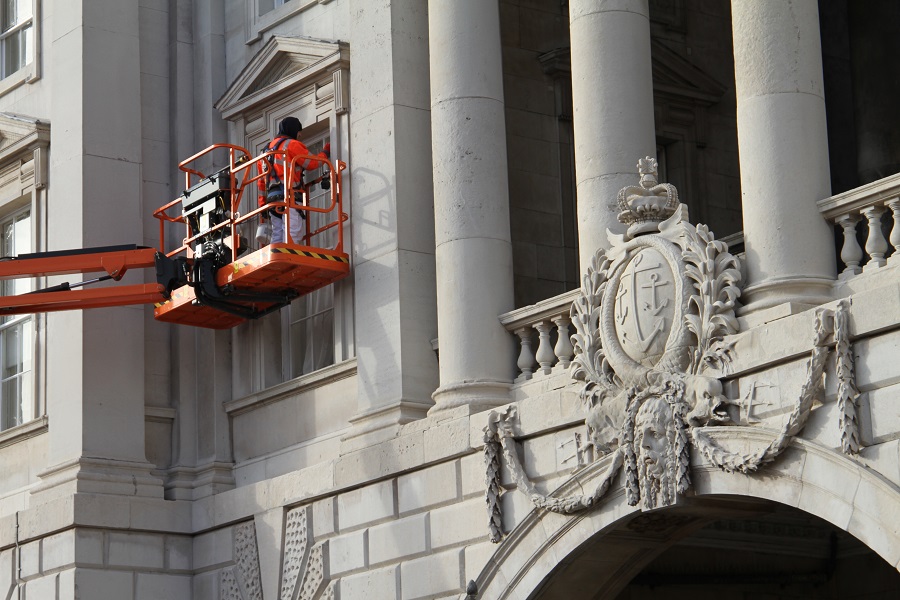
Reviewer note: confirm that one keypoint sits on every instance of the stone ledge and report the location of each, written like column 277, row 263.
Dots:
column 314, row 380
column 24, row 431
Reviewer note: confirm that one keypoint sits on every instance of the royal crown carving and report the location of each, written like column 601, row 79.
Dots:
column 646, row 205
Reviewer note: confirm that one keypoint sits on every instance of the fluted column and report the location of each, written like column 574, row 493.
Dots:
column 471, row 204
column 783, row 152
column 612, row 96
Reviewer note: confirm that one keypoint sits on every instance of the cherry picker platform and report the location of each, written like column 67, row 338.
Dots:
column 212, row 279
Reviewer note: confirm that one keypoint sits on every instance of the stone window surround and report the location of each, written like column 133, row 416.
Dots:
column 31, row 72
column 24, row 147
column 307, row 78
column 258, row 24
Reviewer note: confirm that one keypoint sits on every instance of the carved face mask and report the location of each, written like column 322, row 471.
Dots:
column 651, row 436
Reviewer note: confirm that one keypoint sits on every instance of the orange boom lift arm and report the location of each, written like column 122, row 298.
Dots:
column 212, row 279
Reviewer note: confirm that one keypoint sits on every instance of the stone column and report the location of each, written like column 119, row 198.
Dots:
column 471, row 204
column 392, row 220
column 612, row 94
column 783, row 151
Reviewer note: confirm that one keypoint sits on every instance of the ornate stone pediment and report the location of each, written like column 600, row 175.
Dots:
column 283, row 64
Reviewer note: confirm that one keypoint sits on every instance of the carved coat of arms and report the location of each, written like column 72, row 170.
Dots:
column 650, row 322
column 651, row 326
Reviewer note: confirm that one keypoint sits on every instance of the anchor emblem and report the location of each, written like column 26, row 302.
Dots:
column 641, row 294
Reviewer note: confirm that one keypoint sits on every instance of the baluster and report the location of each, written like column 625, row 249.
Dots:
column 876, row 245
column 526, row 356
column 545, row 355
column 894, row 205
column 851, row 253
column 563, row 348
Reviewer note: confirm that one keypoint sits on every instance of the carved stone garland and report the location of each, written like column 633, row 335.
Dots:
column 847, row 394
column 652, row 318
column 812, row 390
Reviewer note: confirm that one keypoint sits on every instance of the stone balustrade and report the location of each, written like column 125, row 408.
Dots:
column 867, row 204
column 548, row 321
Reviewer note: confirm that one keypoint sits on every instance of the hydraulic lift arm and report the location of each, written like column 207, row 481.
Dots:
column 212, row 279
column 112, row 261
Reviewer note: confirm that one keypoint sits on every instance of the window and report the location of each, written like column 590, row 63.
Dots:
column 17, row 404
column 305, row 78
column 17, row 39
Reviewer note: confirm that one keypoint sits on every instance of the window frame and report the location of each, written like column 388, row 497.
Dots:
column 24, row 159
column 262, row 95
column 30, row 71
column 14, row 321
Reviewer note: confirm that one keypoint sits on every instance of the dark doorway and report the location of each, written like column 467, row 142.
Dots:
column 723, row 549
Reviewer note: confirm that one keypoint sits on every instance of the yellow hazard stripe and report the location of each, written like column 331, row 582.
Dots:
column 311, row 254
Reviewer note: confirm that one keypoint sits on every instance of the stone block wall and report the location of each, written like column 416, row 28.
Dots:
column 95, row 563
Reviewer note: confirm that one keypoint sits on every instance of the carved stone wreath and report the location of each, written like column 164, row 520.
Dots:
column 651, row 340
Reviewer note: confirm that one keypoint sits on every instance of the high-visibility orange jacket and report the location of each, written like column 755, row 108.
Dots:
column 291, row 149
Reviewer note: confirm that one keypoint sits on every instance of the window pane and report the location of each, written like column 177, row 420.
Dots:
column 14, row 54
column 265, row 6
column 22, row 245
column 312, row 332
column 16, row 339
column 9, row 14
column 16, row 240
column 12, row 351
column 11, row 409
column 23, row 10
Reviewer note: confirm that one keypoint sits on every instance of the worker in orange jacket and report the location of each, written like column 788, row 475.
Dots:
column 287, row 140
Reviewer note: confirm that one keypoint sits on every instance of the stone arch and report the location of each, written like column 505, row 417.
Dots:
column 808, row 477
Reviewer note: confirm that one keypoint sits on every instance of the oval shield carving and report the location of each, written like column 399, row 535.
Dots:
column 645, row 306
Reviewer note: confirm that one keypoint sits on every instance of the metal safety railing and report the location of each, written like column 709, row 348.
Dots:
column 244, row 171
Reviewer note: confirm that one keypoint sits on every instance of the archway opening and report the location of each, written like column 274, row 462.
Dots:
column 722, row 548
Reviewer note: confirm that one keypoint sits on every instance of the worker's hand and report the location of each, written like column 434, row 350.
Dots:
column 327, row 150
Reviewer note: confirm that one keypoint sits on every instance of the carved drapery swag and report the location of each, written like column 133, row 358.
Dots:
column 651, row 341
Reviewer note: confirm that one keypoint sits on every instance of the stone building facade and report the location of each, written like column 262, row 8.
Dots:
column 543, row 378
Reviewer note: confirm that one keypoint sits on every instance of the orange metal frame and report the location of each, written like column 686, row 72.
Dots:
column 298, row 265
column 240, row 165
column 114, row 263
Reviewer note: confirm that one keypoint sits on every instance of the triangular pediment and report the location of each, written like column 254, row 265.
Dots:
column 674, row 74
column 19, row 133
column 282, row 62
